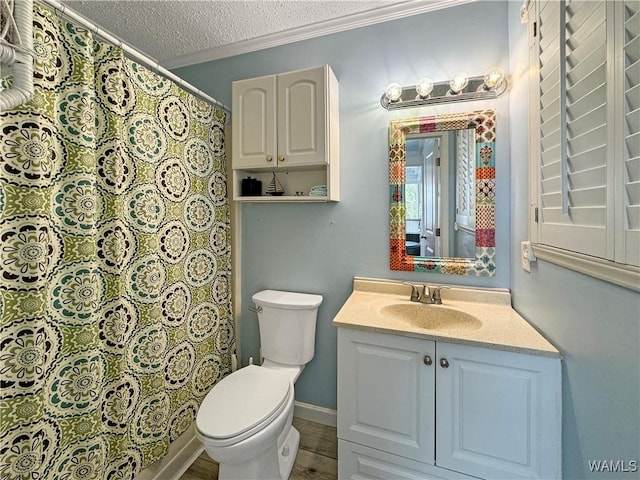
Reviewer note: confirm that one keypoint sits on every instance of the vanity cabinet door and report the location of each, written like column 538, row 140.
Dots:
column 357, row 462
column 498, row 413
column 254, row 123
column 386, row 393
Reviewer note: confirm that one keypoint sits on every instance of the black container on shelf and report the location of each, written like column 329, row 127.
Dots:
column 251, row 187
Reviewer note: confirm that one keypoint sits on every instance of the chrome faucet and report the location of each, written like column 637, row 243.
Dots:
column 416, row 296
column 427, row 297
column 436, row 299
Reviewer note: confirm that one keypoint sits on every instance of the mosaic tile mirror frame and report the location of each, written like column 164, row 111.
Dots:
column 484, row 124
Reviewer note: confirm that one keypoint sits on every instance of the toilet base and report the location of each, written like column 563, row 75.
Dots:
column 264, row 466
column 287, row 452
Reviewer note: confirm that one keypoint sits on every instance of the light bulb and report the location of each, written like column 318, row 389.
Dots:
column 458, row 82
column 424, row 87
column 493, row 77
column 393, row 92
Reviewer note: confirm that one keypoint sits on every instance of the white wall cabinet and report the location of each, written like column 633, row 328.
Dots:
column 425, row 409
column 287, row 124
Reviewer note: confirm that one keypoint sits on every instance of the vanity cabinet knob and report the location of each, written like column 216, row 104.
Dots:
column 281, row 158
column 269, row 158
column 444, row 363
column 427, row 360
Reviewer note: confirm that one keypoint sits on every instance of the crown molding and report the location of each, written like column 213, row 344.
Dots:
column 349, row 22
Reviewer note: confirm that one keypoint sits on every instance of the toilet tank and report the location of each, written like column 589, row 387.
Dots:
column 287, row 323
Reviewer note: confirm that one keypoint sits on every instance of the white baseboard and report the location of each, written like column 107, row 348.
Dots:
column 306, row 411
column 182, row 453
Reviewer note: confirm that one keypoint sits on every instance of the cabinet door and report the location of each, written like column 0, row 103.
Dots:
column 499, row 413
column 385, row 393
column 302, row 111
column 357, row 462
column 254, row 122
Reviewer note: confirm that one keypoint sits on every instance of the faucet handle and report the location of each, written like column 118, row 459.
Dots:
column 415, row 294
column 436, row 298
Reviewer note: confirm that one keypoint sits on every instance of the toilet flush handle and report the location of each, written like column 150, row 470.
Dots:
column 257, row 309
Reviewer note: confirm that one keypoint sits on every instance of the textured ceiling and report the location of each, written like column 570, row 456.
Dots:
column 172, row 31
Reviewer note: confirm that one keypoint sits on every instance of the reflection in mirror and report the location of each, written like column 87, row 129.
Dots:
column 439, row 194
column 442, row 178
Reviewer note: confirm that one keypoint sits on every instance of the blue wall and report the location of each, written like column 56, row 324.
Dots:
column 596, row 325
column 319, row 248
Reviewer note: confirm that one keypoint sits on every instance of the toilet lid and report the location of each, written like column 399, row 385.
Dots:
column 241, row 401
column 287, row 300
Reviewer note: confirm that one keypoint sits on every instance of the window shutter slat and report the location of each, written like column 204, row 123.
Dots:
column 581, row 12
column 587, row 178
column 633, row 169
column 589, row 121
column 588, row 197
column 587, row 141
column 633, row 97
column 585, row 217
column 587, row 85
column 552, row 200
column 587, row 103
column 633, row 191
column 633, row 216
column 551, row 125
column 551, row 170
column 632, row 48
column 632, row 144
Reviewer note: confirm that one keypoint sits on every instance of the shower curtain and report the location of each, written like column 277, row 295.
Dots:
column 115, row 315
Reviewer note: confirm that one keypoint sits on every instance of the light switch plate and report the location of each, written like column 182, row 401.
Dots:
column 526, row 255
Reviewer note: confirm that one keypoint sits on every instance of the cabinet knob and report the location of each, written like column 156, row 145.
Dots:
column 444, row 363
column 281, row 158
column 269, row 158
column 427, row 360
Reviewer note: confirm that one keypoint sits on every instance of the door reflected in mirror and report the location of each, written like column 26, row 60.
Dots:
column 442, row 202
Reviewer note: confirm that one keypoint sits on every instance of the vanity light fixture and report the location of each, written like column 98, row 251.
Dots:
column 493, row 78
column 393, row 92
column 461, row 88
column 424, row 87
column 458, row 82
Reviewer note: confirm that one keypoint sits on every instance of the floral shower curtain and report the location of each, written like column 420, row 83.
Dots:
column 115, row 316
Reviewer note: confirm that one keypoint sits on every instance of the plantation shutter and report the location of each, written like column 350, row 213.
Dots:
column 631, row 133
column 575, row 127
column 465, row 178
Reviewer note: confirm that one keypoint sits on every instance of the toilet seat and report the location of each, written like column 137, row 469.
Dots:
column 243, row 403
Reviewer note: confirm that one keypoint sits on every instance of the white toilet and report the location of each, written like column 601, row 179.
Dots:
column 244, row 422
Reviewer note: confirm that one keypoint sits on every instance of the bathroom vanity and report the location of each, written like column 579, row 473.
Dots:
column 459, row 390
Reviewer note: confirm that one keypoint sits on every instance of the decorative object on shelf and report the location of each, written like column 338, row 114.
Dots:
column 251, row 187
column 461, row 88
column 318, row 191
column 275, row 188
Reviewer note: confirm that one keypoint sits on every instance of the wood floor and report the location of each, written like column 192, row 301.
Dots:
column 317, row 457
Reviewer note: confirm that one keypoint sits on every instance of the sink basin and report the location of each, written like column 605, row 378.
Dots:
column 431, row 317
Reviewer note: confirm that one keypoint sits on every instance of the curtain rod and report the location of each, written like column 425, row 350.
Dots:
column 131, row 51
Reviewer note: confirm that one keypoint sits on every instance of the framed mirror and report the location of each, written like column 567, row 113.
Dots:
column 442, row 193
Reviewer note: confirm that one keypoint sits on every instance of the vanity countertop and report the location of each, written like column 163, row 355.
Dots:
column 502, row 327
